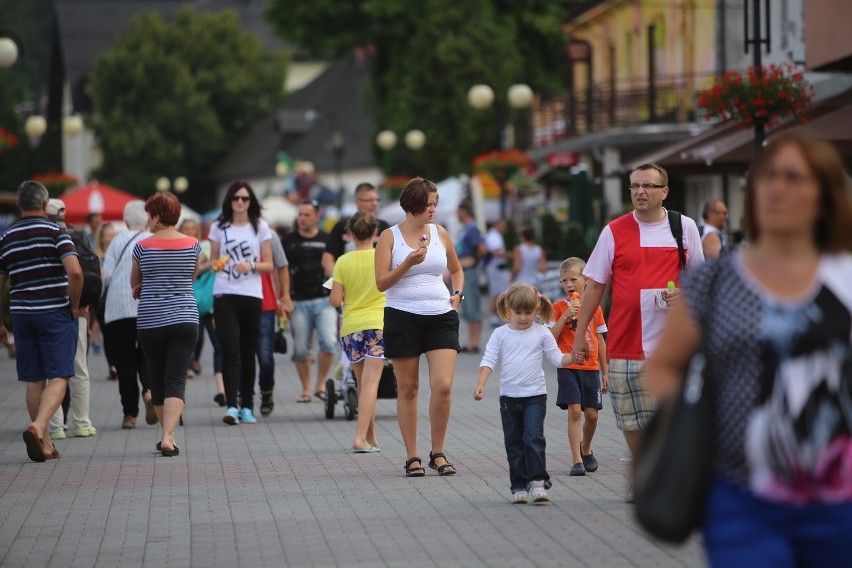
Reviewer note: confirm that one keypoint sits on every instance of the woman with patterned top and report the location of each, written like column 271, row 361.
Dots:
column 776, row 321
column 241, row 239
column 164, row 266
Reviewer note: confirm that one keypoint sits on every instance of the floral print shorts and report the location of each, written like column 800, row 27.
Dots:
column 367, row 343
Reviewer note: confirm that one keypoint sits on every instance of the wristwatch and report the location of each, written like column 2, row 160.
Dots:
column 253, row 266
column 459, row 294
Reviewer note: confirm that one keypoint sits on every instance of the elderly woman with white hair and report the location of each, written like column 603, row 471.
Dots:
column 120, row 338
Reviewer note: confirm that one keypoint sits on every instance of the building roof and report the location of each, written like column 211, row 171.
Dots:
column 304, row 124
column 89, row 27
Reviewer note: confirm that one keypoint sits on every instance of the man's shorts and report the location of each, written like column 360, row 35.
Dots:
column 411, row 335
column 579, row 386
column 46, row 343
column 367, row 343
column 471, row 307
column 631, row 402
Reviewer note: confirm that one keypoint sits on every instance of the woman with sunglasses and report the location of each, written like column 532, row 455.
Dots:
column 240, row 246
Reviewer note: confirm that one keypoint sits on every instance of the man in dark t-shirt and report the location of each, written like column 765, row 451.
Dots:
column 339, row 240
column 311, row 311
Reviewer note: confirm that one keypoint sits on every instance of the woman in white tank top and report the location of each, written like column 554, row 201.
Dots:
column 529, row 260
column 420, row 317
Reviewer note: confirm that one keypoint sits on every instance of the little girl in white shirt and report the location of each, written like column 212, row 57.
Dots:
column 519, row 348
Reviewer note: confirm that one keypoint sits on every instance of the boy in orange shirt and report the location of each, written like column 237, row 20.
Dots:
column 580, row 384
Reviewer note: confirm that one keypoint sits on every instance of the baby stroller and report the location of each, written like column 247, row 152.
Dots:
column 348, row 392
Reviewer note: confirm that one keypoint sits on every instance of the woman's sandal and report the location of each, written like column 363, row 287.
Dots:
column 414, row 471
column 445, row 469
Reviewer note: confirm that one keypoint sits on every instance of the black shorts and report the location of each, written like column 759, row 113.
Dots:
column 578, row 386
column 411, row 335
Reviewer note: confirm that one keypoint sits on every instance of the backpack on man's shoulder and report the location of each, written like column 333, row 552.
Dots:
column 91, row 265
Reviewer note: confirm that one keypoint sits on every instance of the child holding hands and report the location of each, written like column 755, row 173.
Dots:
column 519, row 349
column 582, row 382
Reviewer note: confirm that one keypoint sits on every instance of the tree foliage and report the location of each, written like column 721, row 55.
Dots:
column 170, row 98
column 426, row 56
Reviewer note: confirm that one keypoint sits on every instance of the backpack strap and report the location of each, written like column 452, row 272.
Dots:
column 676, row 225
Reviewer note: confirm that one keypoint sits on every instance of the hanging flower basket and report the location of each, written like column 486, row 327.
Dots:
column 503, row 164
column 7, row 140
column 776, row 93
column 56, row 182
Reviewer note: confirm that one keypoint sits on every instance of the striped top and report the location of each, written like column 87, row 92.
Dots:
column 31, row 254
column 168, row 266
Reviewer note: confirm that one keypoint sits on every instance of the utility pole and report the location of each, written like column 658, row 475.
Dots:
column 756, row 41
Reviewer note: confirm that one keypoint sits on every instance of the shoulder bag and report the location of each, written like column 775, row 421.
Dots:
column 673, row 472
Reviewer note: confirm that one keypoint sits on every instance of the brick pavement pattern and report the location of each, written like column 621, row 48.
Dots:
column 287, row 491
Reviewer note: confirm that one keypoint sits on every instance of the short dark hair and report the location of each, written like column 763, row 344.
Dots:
column 833, row 227
column 362, row 225
column 415, row 195
column 466, row 207
column 312, row 202
column 528, row 234
column 362, row 187
column 91, row 216
column 709, row 207
column 165, row 206
column 664, row 176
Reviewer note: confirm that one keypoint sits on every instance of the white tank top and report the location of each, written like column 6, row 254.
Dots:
column 530, row 259
column 422, row 290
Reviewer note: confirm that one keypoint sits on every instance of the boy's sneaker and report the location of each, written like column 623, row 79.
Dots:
column 85, row 432
column 538, row 495
column 578, row 469
column 232, row 416
column 247, row 416
column 266, row 403
column 520, row 497
column 58, row 435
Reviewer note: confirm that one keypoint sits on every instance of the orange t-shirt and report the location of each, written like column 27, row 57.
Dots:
column 566, row 338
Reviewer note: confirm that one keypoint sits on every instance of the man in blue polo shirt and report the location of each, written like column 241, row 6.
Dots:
column 40, row 261
column 470, row 247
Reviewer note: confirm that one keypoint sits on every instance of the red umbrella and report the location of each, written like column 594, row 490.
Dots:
column 95, row 198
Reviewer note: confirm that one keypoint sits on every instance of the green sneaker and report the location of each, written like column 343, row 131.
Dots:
column 60, row 435
column 85, row 432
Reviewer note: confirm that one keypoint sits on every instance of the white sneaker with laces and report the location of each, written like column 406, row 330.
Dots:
column 520, row 497
column 538, row 495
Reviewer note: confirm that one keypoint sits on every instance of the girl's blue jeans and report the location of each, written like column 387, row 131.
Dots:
column 523, row 435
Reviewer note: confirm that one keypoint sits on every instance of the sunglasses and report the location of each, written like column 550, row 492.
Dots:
column 243, row 198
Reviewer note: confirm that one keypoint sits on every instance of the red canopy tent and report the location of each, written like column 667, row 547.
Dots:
column 95, row 198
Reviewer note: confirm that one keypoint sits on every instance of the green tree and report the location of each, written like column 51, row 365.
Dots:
column 170, row 98
column 426, row 56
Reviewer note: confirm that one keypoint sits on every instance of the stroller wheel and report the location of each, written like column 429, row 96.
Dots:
column 330, row 398
column 351, row 404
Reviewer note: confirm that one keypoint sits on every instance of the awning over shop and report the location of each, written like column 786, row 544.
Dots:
column 830, row 119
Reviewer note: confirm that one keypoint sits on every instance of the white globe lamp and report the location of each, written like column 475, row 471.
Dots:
column 415, row 139
column 480, row 96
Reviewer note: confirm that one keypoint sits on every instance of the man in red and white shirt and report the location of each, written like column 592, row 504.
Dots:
column 639, row 253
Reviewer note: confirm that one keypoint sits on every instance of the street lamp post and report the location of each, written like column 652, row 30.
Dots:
column 414, row 140
column 519, row 97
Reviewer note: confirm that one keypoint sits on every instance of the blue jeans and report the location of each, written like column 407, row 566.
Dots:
column 523, row 435
column 266, row 351
column 741, row 529
column 309, row 315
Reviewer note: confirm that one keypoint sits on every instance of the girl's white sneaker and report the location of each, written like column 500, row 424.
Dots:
column 520, row 497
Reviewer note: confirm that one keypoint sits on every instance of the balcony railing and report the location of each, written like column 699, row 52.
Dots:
column 627, row 102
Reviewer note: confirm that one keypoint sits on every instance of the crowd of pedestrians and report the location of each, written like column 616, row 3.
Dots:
column 773, row 315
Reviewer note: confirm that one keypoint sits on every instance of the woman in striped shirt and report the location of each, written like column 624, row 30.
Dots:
column 164, row 266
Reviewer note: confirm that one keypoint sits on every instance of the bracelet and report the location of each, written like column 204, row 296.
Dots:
column 253, row 266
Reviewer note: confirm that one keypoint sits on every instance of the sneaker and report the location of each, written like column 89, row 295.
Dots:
column 85, row 432
column 538, row 495
column 266, row 403
column 578, row 469
column 129, row 422
column 219, row 399
column 232, row 416
column 520, row 497
column 590, row 462
column 247, row 416
column 58, row 435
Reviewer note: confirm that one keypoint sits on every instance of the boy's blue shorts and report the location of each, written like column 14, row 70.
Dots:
column 579, row 386
column 46, row 344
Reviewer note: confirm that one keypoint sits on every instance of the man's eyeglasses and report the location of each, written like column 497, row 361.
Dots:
column 368, row 199
column 645, row 186
column 243, row 198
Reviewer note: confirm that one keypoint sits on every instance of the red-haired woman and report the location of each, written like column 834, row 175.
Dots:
column 164, row 266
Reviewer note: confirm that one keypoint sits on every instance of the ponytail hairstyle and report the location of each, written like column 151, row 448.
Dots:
column 362, row 225
column 521, row 297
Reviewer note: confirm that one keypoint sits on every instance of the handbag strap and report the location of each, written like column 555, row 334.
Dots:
column 120, row 256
